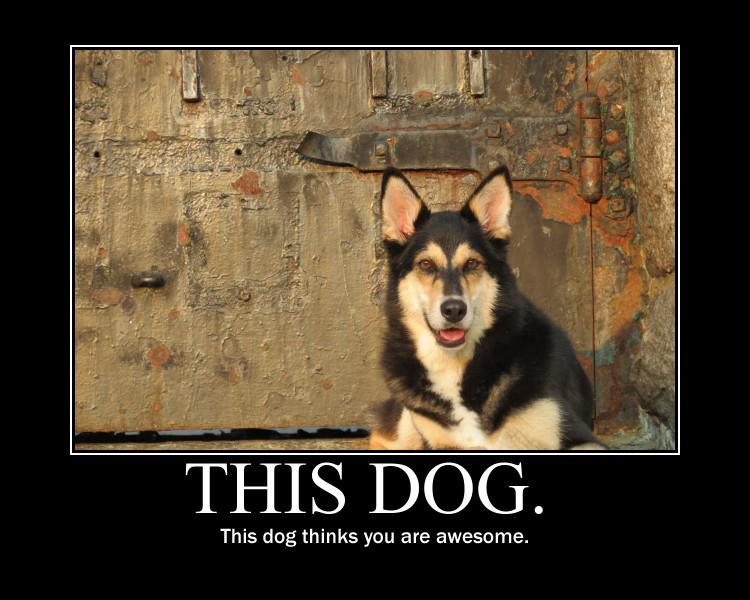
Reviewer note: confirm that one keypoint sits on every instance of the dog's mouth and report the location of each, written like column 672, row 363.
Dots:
column 450, row 338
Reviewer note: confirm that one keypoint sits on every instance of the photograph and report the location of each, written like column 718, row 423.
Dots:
column 374, row 250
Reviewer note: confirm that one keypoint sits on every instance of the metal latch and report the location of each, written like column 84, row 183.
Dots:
column 374, row 151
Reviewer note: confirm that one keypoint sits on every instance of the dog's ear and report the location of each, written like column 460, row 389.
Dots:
column 489, row 205
column 400, row 207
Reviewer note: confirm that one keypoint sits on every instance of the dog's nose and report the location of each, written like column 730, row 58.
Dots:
column 453, row 310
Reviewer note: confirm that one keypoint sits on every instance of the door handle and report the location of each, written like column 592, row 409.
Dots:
column 148, row 279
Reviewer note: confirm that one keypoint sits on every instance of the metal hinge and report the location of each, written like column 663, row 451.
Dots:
column 590, row 111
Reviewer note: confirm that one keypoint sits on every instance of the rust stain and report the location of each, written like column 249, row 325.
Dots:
column 602, row 90
column 248, row 184
column 509, row 129
column 531, row 156
column 596, row 59
column 563, row 206
column 297, row 76
column 248, row 91
column 156, row 407
column 612, row 137
column 326, row 384
column 422, row 96
column 174, row 75
column 605, row 276
column 101, row 252
column 152, row 136
column 621, row 304
column 173, row 314
column 233, row 377
column 627, row 302
column 159, row 355
column 562, row 151
column 110, row 295
column 617, row 158
column 561, row 104
column 183, row 234
column 613, row 232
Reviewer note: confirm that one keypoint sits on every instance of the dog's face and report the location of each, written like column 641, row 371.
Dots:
column 447, row 264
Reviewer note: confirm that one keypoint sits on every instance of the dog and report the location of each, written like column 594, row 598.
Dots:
column 469, row 361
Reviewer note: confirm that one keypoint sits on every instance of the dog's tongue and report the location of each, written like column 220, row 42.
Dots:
column 451, row 335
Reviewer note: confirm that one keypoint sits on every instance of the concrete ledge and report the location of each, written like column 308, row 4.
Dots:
column 359, row 443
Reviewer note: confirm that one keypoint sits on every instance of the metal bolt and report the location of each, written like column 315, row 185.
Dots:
column 619, row 207
column 617, row 158
column 562, row 128
column 381, row 149
column 616, row 111
column 616, row 205
column 565, row 165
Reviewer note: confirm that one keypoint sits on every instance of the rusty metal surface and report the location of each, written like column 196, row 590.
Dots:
column 270, row 315
column 618, row 269
column 403, row 149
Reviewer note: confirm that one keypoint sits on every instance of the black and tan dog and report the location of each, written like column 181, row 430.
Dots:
column 470, row 362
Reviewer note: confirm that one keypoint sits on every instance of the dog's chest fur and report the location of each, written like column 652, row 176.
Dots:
column 445, row 373
column 535, row 426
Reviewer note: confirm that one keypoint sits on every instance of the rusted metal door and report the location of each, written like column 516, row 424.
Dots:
column 228, row 263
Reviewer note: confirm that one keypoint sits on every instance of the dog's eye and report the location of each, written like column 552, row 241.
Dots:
column 426, row 265
column 471, row 264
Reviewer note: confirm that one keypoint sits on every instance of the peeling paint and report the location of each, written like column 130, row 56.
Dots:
column 563, row 206
column 248, row 184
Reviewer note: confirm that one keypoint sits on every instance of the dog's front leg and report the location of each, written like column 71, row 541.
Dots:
column 405, row 436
